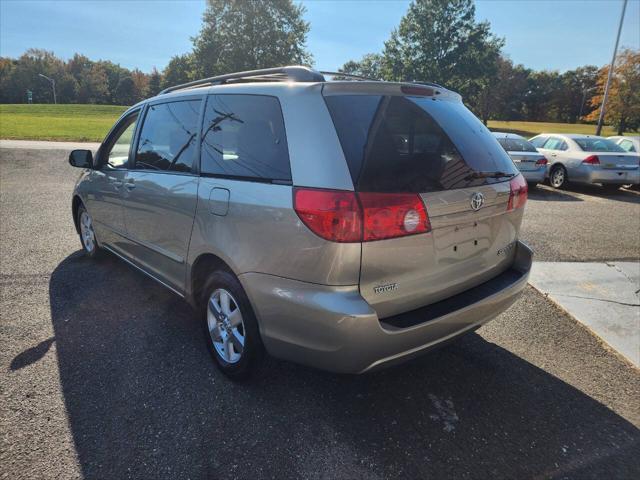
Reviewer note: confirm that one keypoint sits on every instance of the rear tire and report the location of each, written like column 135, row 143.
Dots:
column 231, row 328
column 87, row 234
column 558, row 177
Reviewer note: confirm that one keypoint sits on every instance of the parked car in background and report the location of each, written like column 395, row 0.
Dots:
column 343, row 225
column 628, row 144
column 587, row 159
column 531, row 163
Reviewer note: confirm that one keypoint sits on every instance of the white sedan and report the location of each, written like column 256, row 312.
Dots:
column 587, row 159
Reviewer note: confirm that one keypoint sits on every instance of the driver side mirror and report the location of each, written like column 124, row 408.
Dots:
column 81, row 159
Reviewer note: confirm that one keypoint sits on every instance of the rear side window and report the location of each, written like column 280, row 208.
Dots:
column 538, row 142
column 555, row 144
column 516, row 145
column 413, row 144
column 168, row 137
column 244, row 137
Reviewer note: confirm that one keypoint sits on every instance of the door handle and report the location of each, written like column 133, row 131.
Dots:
column 115, row 183
column 130, row 184
column 554, row 155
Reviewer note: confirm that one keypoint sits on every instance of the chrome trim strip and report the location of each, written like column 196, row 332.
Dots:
column 106, row 247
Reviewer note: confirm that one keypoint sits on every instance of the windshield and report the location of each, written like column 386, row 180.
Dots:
column 516, row 145
column 415, row 144
column 589, row 144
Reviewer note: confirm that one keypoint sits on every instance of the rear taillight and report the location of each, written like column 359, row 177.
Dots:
column 331, row 214
column 388, row 215
column 592, row 160
column 342, row 216
column 542, row 161
column 518, row 193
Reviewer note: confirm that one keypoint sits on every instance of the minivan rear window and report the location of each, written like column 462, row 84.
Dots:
column 414, row 144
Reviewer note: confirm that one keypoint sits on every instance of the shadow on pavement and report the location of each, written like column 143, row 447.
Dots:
column 145, row 401
column 620, row 195
column 551, row 195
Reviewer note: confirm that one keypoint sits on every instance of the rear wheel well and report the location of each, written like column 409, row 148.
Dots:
column 204, row 265
column 75, row 205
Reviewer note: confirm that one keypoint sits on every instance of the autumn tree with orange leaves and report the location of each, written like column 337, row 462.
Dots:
column 623, row 104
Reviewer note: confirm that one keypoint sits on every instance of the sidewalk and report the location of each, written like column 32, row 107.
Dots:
column 603, row 296
column 40, row 145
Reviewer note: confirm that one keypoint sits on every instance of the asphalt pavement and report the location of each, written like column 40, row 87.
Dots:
column 105, row 374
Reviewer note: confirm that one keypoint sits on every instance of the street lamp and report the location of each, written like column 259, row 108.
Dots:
column 53, row 86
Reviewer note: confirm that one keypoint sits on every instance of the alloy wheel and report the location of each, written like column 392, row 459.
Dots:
column 226, row 327
column 86, row 232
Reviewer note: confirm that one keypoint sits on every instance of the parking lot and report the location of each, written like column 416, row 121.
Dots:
column 105, row 374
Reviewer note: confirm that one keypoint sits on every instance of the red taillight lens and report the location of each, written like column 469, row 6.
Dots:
column 342, row 216
column 518, row 194
column 331, row 214
column 592, row 160
column 388, row 215
column 542, row 161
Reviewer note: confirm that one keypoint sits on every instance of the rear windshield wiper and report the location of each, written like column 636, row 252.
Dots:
column 489, row 175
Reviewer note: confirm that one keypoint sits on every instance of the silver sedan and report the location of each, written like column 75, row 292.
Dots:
column 531, row 163
column 587, row 159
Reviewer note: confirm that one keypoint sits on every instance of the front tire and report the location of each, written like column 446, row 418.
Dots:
column 87, row 233
column 232, row 333
column 558, row 177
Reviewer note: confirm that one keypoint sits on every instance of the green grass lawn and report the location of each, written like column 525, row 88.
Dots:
column 91, row 123
column 58, row 122
column 529, row 129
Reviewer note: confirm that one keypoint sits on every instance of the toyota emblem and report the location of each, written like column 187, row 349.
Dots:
column 477, row 201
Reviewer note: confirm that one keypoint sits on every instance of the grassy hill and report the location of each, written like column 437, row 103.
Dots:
column 91, row 122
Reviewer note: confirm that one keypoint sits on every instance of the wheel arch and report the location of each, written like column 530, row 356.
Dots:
column 75, row 205
column 201, row 267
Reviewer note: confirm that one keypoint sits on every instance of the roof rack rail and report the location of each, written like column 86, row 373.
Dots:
column 350, row 75
column 296, row 73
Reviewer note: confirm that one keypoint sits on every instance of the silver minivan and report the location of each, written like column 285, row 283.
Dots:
column 345, row 225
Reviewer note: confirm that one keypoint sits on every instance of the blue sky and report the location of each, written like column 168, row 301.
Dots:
column 541, row 34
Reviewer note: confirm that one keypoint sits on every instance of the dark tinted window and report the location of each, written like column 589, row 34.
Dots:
column 168, row 137
column 414, row 144
column 511, row 144
column 538, row 142
column 598, row 145
column 244, row 136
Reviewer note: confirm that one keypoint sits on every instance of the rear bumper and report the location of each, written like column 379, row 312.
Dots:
column 335, row 329
column 535, row 176
column 589, row 174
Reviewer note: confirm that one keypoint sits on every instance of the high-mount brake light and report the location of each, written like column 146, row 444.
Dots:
column 343, row 216
column 592, row 160
column 418, row 91
column 518, row 193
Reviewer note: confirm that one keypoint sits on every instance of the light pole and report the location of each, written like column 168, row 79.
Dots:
column 53, row 86
column 613, row 61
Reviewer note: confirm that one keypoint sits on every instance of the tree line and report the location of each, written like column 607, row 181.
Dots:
column 437, row 40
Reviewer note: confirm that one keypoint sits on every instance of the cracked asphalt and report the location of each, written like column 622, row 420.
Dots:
column 105, row 374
